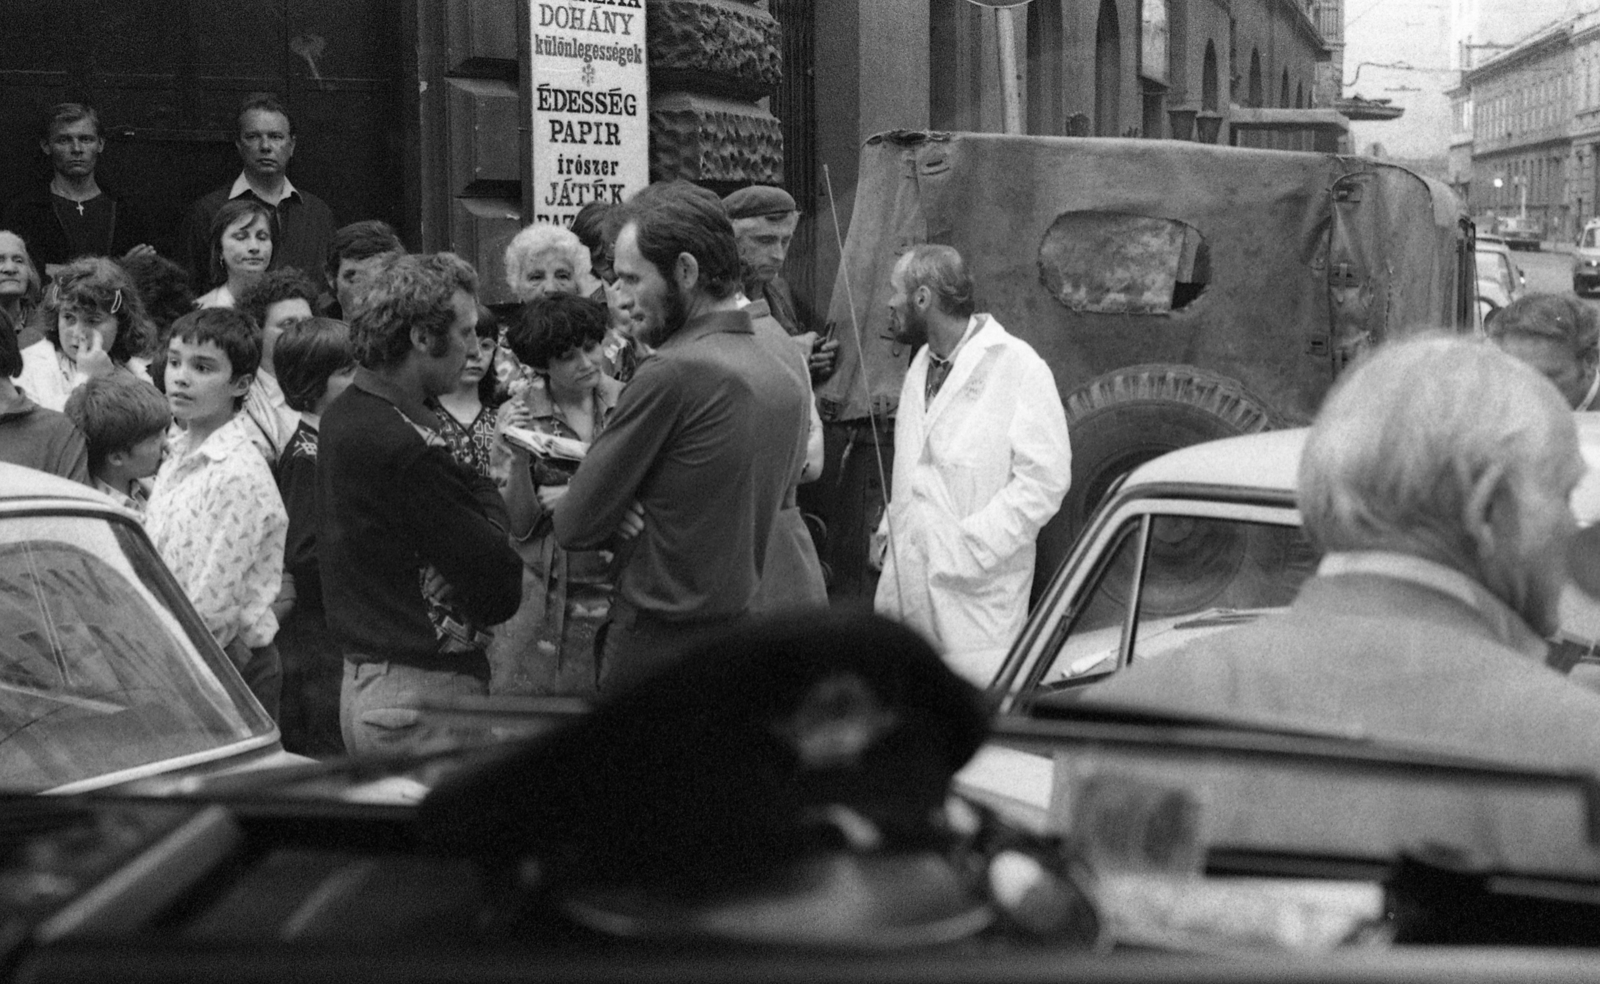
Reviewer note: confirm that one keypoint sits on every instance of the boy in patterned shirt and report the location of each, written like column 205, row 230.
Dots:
column 315, row 363
column 124, row 419
column 215, row 514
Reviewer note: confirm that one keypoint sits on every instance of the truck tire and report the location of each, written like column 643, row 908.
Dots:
column 1124, row 418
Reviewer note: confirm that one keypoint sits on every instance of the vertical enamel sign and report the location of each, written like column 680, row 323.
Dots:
column 589, row 82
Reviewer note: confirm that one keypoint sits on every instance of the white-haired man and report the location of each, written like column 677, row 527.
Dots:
column 1436, row 480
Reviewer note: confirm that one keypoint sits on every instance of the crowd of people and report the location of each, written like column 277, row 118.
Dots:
column 378, row 492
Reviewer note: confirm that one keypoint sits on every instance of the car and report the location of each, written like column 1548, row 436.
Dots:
column 1586, row 259
column 1500, row 280
column 1519, row 232
column 1201, row 540
column 107, row 675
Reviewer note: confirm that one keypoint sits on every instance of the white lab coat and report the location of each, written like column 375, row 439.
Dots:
column 976, row 474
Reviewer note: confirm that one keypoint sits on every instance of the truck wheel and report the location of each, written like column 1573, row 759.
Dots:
column 1124, row 418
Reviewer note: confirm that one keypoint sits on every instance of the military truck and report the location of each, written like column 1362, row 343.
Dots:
column 1180, row 292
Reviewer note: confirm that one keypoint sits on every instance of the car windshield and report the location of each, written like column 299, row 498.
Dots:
column 101, row 677
column 1591, row 238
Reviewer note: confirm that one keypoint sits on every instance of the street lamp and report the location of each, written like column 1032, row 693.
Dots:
column 1521, row 181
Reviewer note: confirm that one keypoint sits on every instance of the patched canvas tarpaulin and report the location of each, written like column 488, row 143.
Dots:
column 1269, row 267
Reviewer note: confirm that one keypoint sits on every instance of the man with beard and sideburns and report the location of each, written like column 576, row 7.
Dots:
column 981, row 462
column 698, row 454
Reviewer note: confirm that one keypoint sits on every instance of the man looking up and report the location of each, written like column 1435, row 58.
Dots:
column 1436, row 480
column 73, row 214
column 764, row 220
column 302, row 224
column 702, row 445
column 981, row 461
column 412, row 546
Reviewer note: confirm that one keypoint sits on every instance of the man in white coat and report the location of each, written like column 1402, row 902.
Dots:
column 981, row 462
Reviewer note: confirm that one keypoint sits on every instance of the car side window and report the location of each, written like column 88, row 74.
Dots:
column 1191, row 576
column 1090, row 637
column 96, row 673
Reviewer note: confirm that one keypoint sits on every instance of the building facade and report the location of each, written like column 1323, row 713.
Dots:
column 1520, row 106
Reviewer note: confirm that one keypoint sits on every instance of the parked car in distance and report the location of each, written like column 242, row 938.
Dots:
column 1500, row 280
column 1586, row 259
column 1519, row 232
column 107, row 674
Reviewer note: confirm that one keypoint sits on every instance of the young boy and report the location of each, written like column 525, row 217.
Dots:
column 315, row 362
column 215, row 514
column 125, row 420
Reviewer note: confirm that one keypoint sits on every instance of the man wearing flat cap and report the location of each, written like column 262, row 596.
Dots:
column 764, row 219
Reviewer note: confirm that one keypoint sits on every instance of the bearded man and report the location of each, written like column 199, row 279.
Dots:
column 981, row 463
column 696, row 458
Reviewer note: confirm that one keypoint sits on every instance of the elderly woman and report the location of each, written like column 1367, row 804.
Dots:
column 541, row 259
column 20, row 287
column 241, row 248
column 1560, row 337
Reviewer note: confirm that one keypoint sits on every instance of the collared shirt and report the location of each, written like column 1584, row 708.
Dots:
column 134, row 497
column 1508, row 627
column 242, row 184
column 272, row 422
column 216, row 518
column 939, row 366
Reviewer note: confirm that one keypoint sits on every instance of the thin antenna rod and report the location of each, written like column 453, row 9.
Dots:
column 861, row 360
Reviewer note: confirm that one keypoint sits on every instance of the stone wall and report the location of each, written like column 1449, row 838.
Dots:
column 713, row 65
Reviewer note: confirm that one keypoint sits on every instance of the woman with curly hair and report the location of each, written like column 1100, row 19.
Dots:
column 94, row 324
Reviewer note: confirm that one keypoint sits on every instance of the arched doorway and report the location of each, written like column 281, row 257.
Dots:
column 1108, row 72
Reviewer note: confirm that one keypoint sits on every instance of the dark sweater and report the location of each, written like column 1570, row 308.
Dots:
column 38, row 438
column 302, row 229
column 393, row 504
column 32, row 216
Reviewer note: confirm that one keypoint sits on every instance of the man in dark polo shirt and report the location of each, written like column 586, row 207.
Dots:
column 415, row 559
column 701, row 447
column 73, row 214
column 302, row 223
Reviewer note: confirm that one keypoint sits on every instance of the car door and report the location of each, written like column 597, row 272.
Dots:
column 1151, row 576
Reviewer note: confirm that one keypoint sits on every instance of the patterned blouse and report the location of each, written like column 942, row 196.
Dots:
column 471, row 444
column 217, row 520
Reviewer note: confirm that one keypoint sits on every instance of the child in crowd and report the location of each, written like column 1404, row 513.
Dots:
column 315, row 363
column 125, row 422
column 30, row 435
column 215, row 514
column 94, row 325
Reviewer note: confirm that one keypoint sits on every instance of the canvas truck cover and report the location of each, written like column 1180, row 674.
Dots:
column 1270, row 268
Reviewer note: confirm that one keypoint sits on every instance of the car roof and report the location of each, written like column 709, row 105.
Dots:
column 1269, row 462
column 18, row 483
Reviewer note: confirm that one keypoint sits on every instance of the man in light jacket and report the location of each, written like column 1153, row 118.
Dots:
column 981, row 462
